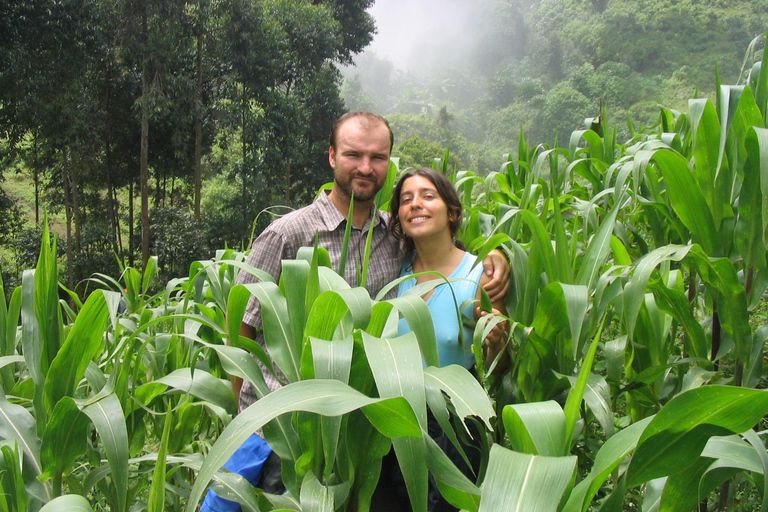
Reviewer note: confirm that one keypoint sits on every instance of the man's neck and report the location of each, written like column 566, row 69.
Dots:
column 362, row 210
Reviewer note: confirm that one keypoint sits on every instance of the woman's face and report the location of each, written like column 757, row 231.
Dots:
column 422, row 212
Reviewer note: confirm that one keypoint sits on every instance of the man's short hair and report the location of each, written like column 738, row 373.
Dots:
column 368, row 119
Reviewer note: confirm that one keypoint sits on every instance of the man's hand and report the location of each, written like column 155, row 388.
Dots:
column 496, row 266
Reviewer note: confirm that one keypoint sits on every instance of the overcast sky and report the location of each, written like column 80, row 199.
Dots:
column 410, row 31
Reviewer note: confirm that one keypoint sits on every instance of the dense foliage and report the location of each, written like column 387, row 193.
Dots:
column 544, row 66
column 638, row 369
column 104, row 103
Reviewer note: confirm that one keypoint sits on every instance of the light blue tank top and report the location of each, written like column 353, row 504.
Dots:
column 443, row 309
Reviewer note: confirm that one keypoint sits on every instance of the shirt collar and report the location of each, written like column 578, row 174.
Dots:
column 332, row 217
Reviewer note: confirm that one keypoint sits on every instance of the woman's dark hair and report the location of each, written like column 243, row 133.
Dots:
column 447, row 193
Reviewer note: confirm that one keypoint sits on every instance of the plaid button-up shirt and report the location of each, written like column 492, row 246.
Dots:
column 282, row 240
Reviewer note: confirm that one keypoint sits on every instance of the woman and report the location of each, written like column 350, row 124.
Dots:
column 426, row 214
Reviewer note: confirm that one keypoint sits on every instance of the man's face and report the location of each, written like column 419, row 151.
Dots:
column 360, row 160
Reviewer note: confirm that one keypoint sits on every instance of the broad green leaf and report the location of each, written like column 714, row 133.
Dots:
column 750, row 236
column 332, row 360
column 453, row 485
column 68, row 503
column 14, row 495
column 687, row 200
column 32, row 345
column 83, row 343
column 393, row 417
column 331, row 306
column 239, row 363
column 106, row 413
column 679, row 432
column 608, row 458
column 518, row 482
column 598, row 249
column 536, row 428
column 199, row 384
column 315, row 497
column 283, row 348
column 148, row 276
column 17, row 424
column 573, row 402
column 416, row 313
column 397, row 369
column 64, row 440
column 597, row 396
column 156, row 502
column 634, row 291
column 234, row 487
column 47, row 298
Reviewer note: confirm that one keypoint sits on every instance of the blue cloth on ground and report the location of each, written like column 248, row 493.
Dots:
column 247, row 461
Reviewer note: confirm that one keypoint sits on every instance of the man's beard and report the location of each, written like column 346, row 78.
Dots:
column 360, row 196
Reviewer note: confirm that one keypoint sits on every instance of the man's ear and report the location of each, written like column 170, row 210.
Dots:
column 332, row 156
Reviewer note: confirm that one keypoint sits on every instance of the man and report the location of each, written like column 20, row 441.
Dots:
column 360, row 145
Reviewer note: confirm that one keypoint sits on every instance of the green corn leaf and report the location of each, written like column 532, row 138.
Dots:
column 233, row 487
column 347, row 235
column 14, row 496
column 315, row 497
column 706, row 149
column 679, row 432
column 32, row 345
column 518, row 482
column 750, row 235
column 687, row 200
column 536, row 428
column 397, row 369
column 453, row 485
column 332, row 360
column 83, row 342
column 597, row 250
column 64, row 441
column 573, row 402
column 17, row 424
column 68, row 503
column 156, row 502
column 608, row 458
column 149, row 274
column 106, row 413
column 367, row 252
column 331, row 306
column 294, row 279
column 393, row 417
column 416, row 313
column 634, row 291
column 199, row 384
column 46, row 298
column 284, row 349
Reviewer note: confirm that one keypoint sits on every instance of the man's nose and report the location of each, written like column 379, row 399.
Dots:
column 365, row 165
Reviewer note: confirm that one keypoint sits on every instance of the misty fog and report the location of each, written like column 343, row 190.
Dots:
column 424, row 34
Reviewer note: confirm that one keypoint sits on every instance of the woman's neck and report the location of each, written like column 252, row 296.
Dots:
column 438, row 255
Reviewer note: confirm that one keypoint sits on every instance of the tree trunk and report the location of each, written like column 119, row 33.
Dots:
column 144, row 166
column 68, row 211
column 288, row 182
column 74, row 184
column 36, row 176
column 243, row 165
column 130, row 223
column 111, row 195
column 199, row 127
